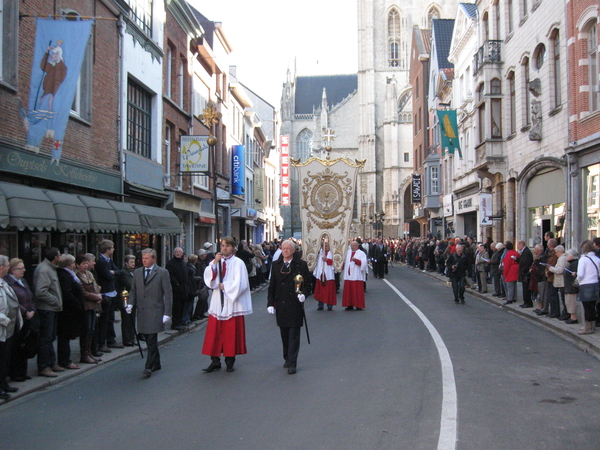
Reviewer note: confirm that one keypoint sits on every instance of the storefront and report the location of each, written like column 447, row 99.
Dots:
column 546, row 207
column 465, row 223
column 34, row 219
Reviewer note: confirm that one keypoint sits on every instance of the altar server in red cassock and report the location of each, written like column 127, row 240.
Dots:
column 231, row 300
column 355, row 270
column 325, row 290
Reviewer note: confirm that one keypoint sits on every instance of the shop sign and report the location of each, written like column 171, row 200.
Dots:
column 485, row 209
column 416, row 188
column 285, row 170
column 448, row 205
column 466, row 204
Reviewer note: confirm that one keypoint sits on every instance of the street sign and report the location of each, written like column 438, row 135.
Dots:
column 225, row 200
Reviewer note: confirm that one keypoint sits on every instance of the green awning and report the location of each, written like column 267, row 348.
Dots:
column 158, row 220
column 28, row 207
column 103, row 218
column 127, row 217
column 71, row 214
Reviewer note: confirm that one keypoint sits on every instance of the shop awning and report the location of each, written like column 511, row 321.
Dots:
column 71, row 214
column 103, row 218
column 127, row 217
column 157, row 220
column 4, row 217
column 28, row 207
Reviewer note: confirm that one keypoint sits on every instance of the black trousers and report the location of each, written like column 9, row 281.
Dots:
column 5, row 348
column 290, row 338
column 153, row 357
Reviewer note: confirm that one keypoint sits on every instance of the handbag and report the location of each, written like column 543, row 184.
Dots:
column 29, row 341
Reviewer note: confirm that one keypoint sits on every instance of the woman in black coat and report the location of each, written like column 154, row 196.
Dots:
column 71, row 319
column 286, row 303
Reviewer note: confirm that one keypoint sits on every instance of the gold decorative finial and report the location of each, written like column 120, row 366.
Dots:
column 210, row 116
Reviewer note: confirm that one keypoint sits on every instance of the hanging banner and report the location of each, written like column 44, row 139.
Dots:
column 485, row 209
column 449, row 131
column 416, row 188
column 194, row 155
column 285, row 170
column 326, row 199
column 59, row 51
column 237, row 170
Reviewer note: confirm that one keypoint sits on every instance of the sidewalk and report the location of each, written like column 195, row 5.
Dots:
column 38, row 383
column 589, row 343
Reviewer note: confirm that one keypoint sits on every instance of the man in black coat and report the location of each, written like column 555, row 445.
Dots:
column 180, row 286
column 458, row 266
column 525, row 262
column 286, row 303
column 107, row 272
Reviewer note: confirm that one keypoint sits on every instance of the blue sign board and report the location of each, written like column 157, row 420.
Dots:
column 237, row 170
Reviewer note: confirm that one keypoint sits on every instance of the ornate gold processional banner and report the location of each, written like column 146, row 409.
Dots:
column 327, row 189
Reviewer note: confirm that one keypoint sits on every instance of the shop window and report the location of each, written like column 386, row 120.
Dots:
column 35, row 248
column 8, row 245
column 73, row 243
column 591, row 200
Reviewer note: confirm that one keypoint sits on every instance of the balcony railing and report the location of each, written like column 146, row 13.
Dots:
column 489, row 52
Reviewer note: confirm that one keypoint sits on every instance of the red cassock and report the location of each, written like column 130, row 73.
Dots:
column 354, row 285
column 328, row 293
column 226, row 337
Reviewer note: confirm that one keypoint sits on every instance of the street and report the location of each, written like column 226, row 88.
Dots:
column 411, row 371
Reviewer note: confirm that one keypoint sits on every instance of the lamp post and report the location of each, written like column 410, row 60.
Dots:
column 376, row 220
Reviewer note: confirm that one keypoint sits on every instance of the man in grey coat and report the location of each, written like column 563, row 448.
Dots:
column 152, row 297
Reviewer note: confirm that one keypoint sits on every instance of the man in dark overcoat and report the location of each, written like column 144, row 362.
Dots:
column 152, row 297
column 286, row 304
column 525, row 262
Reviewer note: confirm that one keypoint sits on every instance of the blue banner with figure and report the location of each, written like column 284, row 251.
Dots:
column 59, row 51
column 237, row 170
column 449, row 131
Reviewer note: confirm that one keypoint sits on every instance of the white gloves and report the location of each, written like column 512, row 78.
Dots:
column 301, row 298
column 129, row 309
column 271, row 310
column 166, row 319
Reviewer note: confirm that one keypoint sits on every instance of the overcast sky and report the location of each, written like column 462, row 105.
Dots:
column 267, row 35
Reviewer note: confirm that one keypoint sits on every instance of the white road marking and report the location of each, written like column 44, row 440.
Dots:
column 449, row 419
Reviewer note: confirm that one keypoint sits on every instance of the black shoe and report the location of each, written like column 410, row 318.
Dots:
column 128, row 344
column 462, row 301
column 553, row 316
column 10, row 389
column 286, row 365
column 4, row 396
column 17, row 379
column 564, row 317
column 330, row 308
column 571, row 321
column 230, row 368
column 456, row 301
column 320, row 308
column 146, row 373
column 359, row 309
column 155, row 368
column 291, row 370
column 525, row 305
column 542, row 313
column 213, row 366
column 350, row 308
column 104, row 349
column 508, row 302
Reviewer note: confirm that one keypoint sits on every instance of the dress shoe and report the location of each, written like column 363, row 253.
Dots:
column 4, row 395
column 542, row 313
column 359, row 309
column 320, row 308
column 213, row 366
column 230, row 369
column 564, row 317
column 495, row 295
column 48, row 372
column 58, row 368
column 508, row 302
column 571, row 321
column 291, row 370
column 553, row 316
column 27, row 377
column 87, row 359
column 17, row 379
column 350, row 308
column 10, row 389
column 96, row 354
column 525, row 305
column 155, row 368
column 72, row 366
column 146, row 373
column 285, row 365
column 115, row 345
column 462, row 301
column 330, row 308
column 128, row 344
column 104, row 349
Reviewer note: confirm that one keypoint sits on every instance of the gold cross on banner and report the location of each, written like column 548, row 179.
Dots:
column 210, row 116
column 328, row 136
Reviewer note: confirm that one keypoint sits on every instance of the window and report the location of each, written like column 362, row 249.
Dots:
column 497, row 19
column 509, row 14
column 496, row 108
column 434, row 178
column 168, row 69
column 486, row 27
column 481, row 112
column 9, row 26
column 201, row 96
column 304, row 144
column 182, row 80
column 139, row 119
column 592, row 49
column 525, row 91
column 513, row 105
column 432, row 14
column 394, row 33
column 141, row 13
column 555, row 71
column 540, row 56
column 406, row 156
column 524, row 9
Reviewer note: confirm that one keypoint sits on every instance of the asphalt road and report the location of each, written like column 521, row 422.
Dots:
column 411, row 371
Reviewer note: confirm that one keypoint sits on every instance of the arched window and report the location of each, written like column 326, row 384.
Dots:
column 433, row 13
column 304, row 144
column 496, row 108
column 481, row 112
column 513, row 103
column 394, row 34
column 525, row 91
column 555, row 70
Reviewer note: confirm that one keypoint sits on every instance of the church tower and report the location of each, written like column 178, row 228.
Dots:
column 385, row 120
